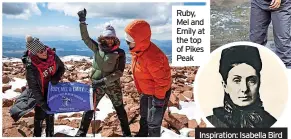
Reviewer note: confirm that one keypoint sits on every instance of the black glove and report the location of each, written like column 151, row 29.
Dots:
column 158, row 102
column 82, row 15
column 98, row 83
column 45, row 107
column 54, row 82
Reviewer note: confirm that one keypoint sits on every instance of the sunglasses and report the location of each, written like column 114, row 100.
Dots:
column 127, row 42
column 42, row 51
column 109, row 38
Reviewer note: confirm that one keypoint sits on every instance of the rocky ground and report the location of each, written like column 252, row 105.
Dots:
column 183, row 78
column 230, row 22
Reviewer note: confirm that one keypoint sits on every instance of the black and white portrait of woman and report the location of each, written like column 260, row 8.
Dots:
column 241, row 106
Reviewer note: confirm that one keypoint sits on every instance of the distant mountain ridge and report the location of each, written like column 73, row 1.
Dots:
column 14, row 47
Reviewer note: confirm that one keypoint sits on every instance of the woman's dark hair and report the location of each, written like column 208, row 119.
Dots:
column 235, row 55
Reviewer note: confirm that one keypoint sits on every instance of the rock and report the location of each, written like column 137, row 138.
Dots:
column 180, row 81
column 174, row 86
column 30, row 122
column 72, row 78
column 62, row 117
column 98, row 126
column 66, row 74
column 15, row 72
column 109, row 133
column 81, row 76
column 191, row 134
column 182, row 98
column 179, row 75
column 18, row 90
column 189, row 94
column 6, row 87
column 127, row 79
column 128, row 100
column 62, row 122
column 27, row 122
column 5, row 72
column 190, row 79
column 30, row 114
column 192, row 124
column 165, row 124
column 181, row 118
column 71, row 68
column 14, row 132
column 5, row 79
column 173, row 122
column 173, row 101
column 202, row 124
column 7, row 69
column 23, row 88
column 65, row 80
column 75, row 123
column 132, row 115
column 5, row 65
column 76, row 115
column 184, row 88
column 7, row 102
column 134, row 128
column 6, row 119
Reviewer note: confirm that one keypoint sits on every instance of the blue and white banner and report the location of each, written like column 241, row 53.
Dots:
column 69, row 97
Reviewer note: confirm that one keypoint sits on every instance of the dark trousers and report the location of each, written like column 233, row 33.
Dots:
column 261, row 17
column 115, row 95
column 151, row 116
column 39, row 116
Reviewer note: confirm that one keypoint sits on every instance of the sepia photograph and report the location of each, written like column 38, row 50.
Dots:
column 246, row 81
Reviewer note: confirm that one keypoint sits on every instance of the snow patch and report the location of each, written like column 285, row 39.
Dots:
column 11, row 60
column 68, row 131
column 189, row 109
column 105, row 106
column 67, row 114
column 76, row 58
column 185, row 131
column 18, row 83
column 69, row 65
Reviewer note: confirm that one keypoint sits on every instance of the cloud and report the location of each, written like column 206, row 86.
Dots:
column 155, row 13
column 163, row 32
column 20, row 10
column 117, row 14
column 159, row 15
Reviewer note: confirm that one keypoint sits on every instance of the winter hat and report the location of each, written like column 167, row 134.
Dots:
column 238, row 55
column 129, row 38
column 34, row 45
column 109, row 31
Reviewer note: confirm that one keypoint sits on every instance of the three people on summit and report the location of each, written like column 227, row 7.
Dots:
column 150, row 68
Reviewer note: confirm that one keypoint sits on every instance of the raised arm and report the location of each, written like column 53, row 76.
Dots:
column 93, row 45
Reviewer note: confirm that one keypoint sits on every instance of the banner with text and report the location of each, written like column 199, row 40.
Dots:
column 69, row 97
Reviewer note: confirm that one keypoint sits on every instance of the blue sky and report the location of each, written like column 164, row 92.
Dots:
column 59, row 21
